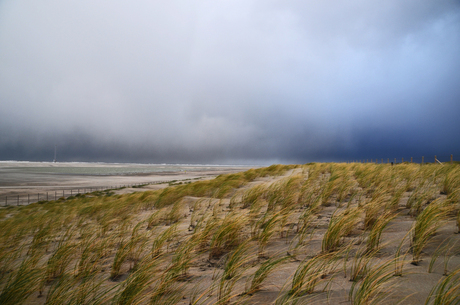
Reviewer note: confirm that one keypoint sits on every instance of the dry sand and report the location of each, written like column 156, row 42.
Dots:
column 412, row 288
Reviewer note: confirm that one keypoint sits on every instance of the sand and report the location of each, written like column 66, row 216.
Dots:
column 413, row 287
column 33, row 180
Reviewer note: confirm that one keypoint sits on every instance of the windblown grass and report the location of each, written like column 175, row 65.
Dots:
column 262, row 273
column 132, row 291
column 375, row 286
column 447, row 291
column 311, row 272
column 267, row 228
column 340, row 225
column 233, row 271
column 375, row 234
column 22, row 282
column 426, row 225
column 163, row 247
column 227, row 235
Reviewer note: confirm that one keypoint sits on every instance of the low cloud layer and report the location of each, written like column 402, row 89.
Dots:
column 228, row 81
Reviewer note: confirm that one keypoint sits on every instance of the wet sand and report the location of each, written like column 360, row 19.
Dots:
column 32, row 178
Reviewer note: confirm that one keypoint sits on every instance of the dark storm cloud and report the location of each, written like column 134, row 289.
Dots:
column 229, row 81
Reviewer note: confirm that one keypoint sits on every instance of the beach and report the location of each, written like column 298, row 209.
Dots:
column 320, row 233
column 30, row 180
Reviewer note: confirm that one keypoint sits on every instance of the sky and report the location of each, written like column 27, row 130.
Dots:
column 229, row 82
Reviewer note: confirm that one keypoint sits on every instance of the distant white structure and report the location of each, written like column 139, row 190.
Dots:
column 54, row 160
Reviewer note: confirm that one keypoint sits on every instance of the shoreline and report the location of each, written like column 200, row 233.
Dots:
column 27, row 179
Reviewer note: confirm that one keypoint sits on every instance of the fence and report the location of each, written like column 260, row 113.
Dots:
column 421, row 160
column 24, row 199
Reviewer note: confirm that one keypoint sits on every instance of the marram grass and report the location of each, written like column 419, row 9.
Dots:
column 165, row 246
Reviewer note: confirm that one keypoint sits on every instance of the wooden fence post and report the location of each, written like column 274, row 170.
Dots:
column 395, row 160
column 422, row 159
column 435, row 159
column 402, row 160
column 451, row 159
column 411, row 160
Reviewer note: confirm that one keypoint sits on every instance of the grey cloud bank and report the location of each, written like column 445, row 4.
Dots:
column 228, row 81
